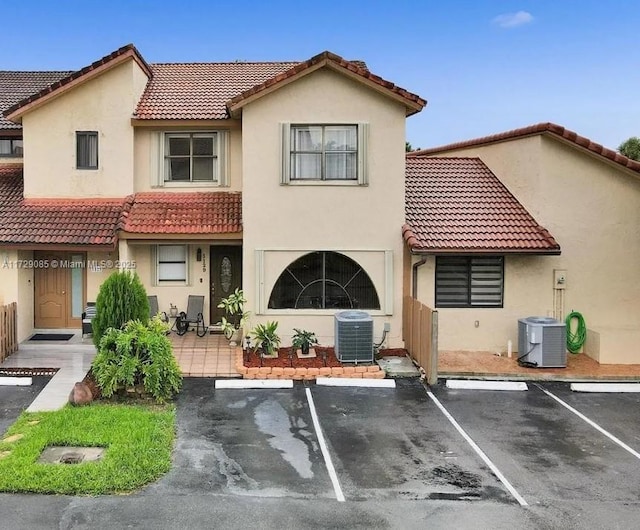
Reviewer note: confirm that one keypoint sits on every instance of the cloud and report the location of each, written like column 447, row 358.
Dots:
column 513, row 20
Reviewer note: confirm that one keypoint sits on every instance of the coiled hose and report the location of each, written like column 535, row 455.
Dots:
column 575, row 339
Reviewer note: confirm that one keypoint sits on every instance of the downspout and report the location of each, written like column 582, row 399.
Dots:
column 415, row 266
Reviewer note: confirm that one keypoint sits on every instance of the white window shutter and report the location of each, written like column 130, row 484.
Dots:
column 223, row 158
column 156, row 159
column 285, row 153
column 363, row 155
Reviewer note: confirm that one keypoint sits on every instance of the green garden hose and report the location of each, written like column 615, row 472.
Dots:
column 576, row 339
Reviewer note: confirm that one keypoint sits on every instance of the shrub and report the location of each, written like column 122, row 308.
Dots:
column 138, row 354
column 121, row 298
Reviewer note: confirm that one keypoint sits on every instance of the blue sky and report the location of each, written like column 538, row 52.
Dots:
column 485, row 66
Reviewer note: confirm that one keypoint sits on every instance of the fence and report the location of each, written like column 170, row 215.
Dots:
column 420, row 333
column 8, row 330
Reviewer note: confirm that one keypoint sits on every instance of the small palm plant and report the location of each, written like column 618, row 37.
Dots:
column 236, row 317
column 265, row 337
column 303, row 340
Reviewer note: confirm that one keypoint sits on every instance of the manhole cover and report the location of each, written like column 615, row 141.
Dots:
column 70, row 455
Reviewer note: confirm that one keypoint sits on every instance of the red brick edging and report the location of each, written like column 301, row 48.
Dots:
column 268, row 372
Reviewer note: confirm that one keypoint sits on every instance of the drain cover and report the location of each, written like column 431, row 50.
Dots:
column 70, row 455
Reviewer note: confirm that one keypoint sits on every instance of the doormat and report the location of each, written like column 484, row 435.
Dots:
column 51, row 336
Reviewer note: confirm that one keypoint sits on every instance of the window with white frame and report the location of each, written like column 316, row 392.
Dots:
column 469, row 281
column 86, row 150
column 171, row 263
column 332, row 153
column 194, row 157
column 10, row 146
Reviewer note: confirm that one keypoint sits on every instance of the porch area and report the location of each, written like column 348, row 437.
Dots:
column 208, row 356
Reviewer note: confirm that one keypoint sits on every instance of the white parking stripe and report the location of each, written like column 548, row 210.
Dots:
column 592, row 423
column 323, row 447
column 480, row 452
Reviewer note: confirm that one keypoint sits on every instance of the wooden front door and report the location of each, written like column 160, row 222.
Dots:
column 226, row 276
column 58, row 290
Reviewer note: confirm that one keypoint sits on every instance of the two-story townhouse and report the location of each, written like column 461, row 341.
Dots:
column 284, row 178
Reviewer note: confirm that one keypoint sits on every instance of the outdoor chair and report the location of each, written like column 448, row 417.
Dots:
column 195, row 307
column 153, row 309
column 87, row 316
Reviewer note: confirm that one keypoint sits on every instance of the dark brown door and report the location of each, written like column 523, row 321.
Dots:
column 58, row 290
column 226, row 276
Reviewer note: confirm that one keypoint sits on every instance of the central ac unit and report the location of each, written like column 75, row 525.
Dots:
column 354, row 337
column 542, row 341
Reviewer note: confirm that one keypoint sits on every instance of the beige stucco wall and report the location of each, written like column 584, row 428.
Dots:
column 593, row 210
column 149, row 163
column 296, row 218
column 16, row 285
column 103, row 104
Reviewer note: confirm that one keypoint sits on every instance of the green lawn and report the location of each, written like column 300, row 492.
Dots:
column 138, row 439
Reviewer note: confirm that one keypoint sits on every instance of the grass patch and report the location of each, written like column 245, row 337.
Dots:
column 138, row 439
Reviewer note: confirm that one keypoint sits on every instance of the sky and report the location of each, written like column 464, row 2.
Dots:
column 484, row 66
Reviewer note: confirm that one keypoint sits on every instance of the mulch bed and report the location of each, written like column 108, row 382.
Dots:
column 285, row 361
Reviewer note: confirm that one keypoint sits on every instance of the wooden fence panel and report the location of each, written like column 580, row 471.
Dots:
column 420, row 333
column 8, row 330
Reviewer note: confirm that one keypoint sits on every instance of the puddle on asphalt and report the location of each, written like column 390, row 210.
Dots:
column 241, row 403
column 272, row 419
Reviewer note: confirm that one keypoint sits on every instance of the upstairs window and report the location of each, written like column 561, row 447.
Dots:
column 86, row 150
column 469, row 281
column 191, row 157
column 10, row 147
column 331, row 153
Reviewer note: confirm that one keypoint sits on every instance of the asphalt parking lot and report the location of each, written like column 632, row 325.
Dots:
column 14, row 399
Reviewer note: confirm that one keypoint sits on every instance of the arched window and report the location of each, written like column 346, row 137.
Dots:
column 324, row 280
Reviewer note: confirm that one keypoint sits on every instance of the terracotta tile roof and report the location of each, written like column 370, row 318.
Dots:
column 457, row 205
column 183, row 213
column 54, row 222
column 414, row 103
column 200, row 91
column 126, row 51
column 540, row 128
column 16, row 86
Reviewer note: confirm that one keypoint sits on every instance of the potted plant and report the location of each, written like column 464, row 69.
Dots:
column 266, row 338
column 235, row 316
column 303, row 340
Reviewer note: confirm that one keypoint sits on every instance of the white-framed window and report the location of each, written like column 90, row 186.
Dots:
column 463, row 281
column 325, row 153
column 86, row 150
column 172, row 263
column 193, row 158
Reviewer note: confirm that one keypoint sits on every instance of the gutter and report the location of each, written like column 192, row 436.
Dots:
column 415, row 267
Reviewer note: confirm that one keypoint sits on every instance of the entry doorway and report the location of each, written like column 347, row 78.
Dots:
column 225, row 277
column 59, row 289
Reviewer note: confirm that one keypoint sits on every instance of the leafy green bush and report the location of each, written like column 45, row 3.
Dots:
column 138, row 354
column 121, row 298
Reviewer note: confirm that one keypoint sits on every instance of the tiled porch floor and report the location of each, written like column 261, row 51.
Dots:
column 486, row 364
column 208, row 356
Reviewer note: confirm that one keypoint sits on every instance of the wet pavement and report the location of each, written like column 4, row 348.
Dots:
column 15, row 399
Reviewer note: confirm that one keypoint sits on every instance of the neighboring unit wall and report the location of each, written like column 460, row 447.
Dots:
column 283, row 222
column 17, row 286
column 592, row 208
column 149, row 163
column 103, row 104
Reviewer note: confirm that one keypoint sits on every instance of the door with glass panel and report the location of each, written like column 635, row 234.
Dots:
column 226, row 276
column 59, row 289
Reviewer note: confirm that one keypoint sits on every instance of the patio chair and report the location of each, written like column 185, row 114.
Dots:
column 195, row 307
column 153, row 309
column 87, row 316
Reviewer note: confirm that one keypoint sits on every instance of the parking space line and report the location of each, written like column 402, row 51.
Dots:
column 591, row 422
column 479, row 451
column 323, row 447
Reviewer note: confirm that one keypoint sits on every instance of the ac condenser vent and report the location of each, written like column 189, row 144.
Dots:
column 542, row 341
column 354, row 337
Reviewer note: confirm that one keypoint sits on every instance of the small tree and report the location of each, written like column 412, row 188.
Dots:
column 631, row 148
column 121, row 298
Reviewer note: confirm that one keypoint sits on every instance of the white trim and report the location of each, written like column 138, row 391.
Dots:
column 253, row 383
column 605, row 387
column 348, row 381
column 388, row 282
column 260, row 295
column 478, row 451
column 363, row 154
column 468, row 384
column 285, row 153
